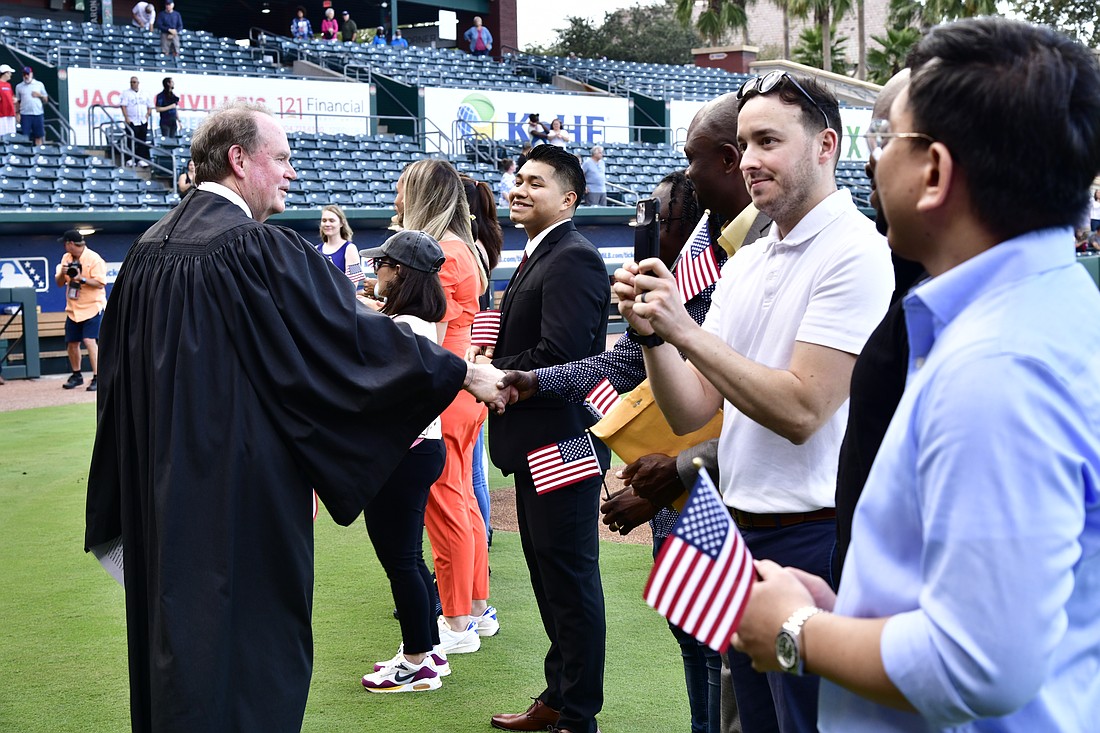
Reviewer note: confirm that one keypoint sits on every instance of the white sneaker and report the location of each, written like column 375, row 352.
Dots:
column 437, row 657
column 143, row 164
column 458, row 642
column 404, row 677
column 487, row 624
column 130, row 163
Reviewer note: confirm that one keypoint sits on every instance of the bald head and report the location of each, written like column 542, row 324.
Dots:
column 888, row 94
column 714, row 159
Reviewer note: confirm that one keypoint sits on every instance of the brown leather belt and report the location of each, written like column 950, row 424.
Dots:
column 748, row 520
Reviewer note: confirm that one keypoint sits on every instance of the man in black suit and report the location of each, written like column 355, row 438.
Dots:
column 554, row 312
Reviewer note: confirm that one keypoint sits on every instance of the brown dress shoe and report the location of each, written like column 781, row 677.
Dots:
column 537, row 717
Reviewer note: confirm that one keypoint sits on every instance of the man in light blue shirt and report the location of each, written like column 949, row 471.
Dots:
column 970, row 592
column 595, row 178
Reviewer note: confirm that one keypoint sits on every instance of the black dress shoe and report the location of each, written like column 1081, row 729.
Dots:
column 537, row 717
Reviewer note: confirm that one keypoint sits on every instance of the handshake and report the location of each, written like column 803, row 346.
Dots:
column 498, row 388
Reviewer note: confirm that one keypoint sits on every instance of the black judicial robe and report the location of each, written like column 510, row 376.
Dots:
column 236, row 374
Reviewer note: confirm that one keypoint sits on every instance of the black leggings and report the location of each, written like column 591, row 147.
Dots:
column 395, row 523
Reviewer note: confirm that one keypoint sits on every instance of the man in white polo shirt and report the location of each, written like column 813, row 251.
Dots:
column 138, row 112
column 787, row 320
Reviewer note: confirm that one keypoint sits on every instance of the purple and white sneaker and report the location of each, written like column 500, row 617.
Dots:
column 404, row 677
column 437, row 657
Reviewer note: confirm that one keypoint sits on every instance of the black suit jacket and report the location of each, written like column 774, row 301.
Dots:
column 554, row 312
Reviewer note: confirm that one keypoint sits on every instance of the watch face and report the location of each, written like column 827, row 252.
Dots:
column 786, row 651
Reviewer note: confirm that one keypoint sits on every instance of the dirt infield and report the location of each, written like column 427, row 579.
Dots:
column 24, row 394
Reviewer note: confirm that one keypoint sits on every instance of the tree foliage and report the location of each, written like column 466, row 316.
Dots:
column 884, row 62
column 1077, row 18
column 648, row 34
column 810, row 43
column 826, row 14
column 717, row 17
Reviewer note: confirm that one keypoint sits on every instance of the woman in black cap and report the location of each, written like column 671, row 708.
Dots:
column 407, row 266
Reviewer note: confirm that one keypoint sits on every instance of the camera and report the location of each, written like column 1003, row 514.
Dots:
column 72, row 290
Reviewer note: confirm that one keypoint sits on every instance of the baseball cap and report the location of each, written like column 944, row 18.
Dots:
column 346, row 13
column 28, row 70
column 71, row 235
column 5, row 69
column 418, row 250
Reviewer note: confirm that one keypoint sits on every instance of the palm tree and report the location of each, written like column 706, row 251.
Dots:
column 717, row 17
column 826, row 14
column 890, row 59
column 784, row 6
column 808, row 50
column 861, row 29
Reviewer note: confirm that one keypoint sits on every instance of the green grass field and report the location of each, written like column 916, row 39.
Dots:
column 63, row 636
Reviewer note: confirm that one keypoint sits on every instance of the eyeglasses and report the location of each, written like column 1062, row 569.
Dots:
column 377, row 263
column 769, row 82
column 878, row 136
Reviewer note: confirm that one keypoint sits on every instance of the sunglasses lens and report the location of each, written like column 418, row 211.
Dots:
column 770, row 82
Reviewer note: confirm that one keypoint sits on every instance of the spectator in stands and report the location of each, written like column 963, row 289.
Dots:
column 398, row 41
column 167, row 104
column 524, row 151
column 348, row 29
column 479, row 38
column 1094, row 210
column 557, row 134
column 330, row 29
column 300, row 28
column 595, row 178
column 138, row 113
column 30, row 98
column 507, row 182
column 536, row 131
column 336, row 244
column 186, row 181
column 7, row 101
column 170, row 25
column 83, row 274
column 379, row 37
column 144, row 15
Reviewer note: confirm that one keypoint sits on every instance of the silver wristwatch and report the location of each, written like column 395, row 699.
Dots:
column 788, row 644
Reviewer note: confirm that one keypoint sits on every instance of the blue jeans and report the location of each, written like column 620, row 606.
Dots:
column 702, row 672
column 776, row 701
column 481, row 482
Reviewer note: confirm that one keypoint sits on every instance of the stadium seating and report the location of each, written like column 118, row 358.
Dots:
column 65, row 43
column 663, row 81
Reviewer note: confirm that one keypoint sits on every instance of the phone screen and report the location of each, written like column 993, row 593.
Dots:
column 647, row 230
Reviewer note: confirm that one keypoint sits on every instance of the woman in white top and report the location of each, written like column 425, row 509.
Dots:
column 407, row 265
column 336, row 244
column 557, row 135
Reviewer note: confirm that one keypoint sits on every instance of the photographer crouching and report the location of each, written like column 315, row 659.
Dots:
column 83, row 274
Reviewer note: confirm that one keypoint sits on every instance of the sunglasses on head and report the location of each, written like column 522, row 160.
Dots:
column 770, row 82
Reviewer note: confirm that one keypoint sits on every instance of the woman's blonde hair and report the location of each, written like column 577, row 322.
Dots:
column 435, row 202
column 345, row 229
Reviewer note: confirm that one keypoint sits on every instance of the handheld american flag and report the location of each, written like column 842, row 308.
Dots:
column 602, row 399
column 355, row 272
column 703, row 575
column 696, row 269
column 486, row 328
column 562, row 464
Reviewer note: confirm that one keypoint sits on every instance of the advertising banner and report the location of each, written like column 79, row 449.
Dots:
column 303, row 105
column 502, row 115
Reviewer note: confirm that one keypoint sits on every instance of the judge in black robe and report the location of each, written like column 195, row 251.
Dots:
column 237, row 375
